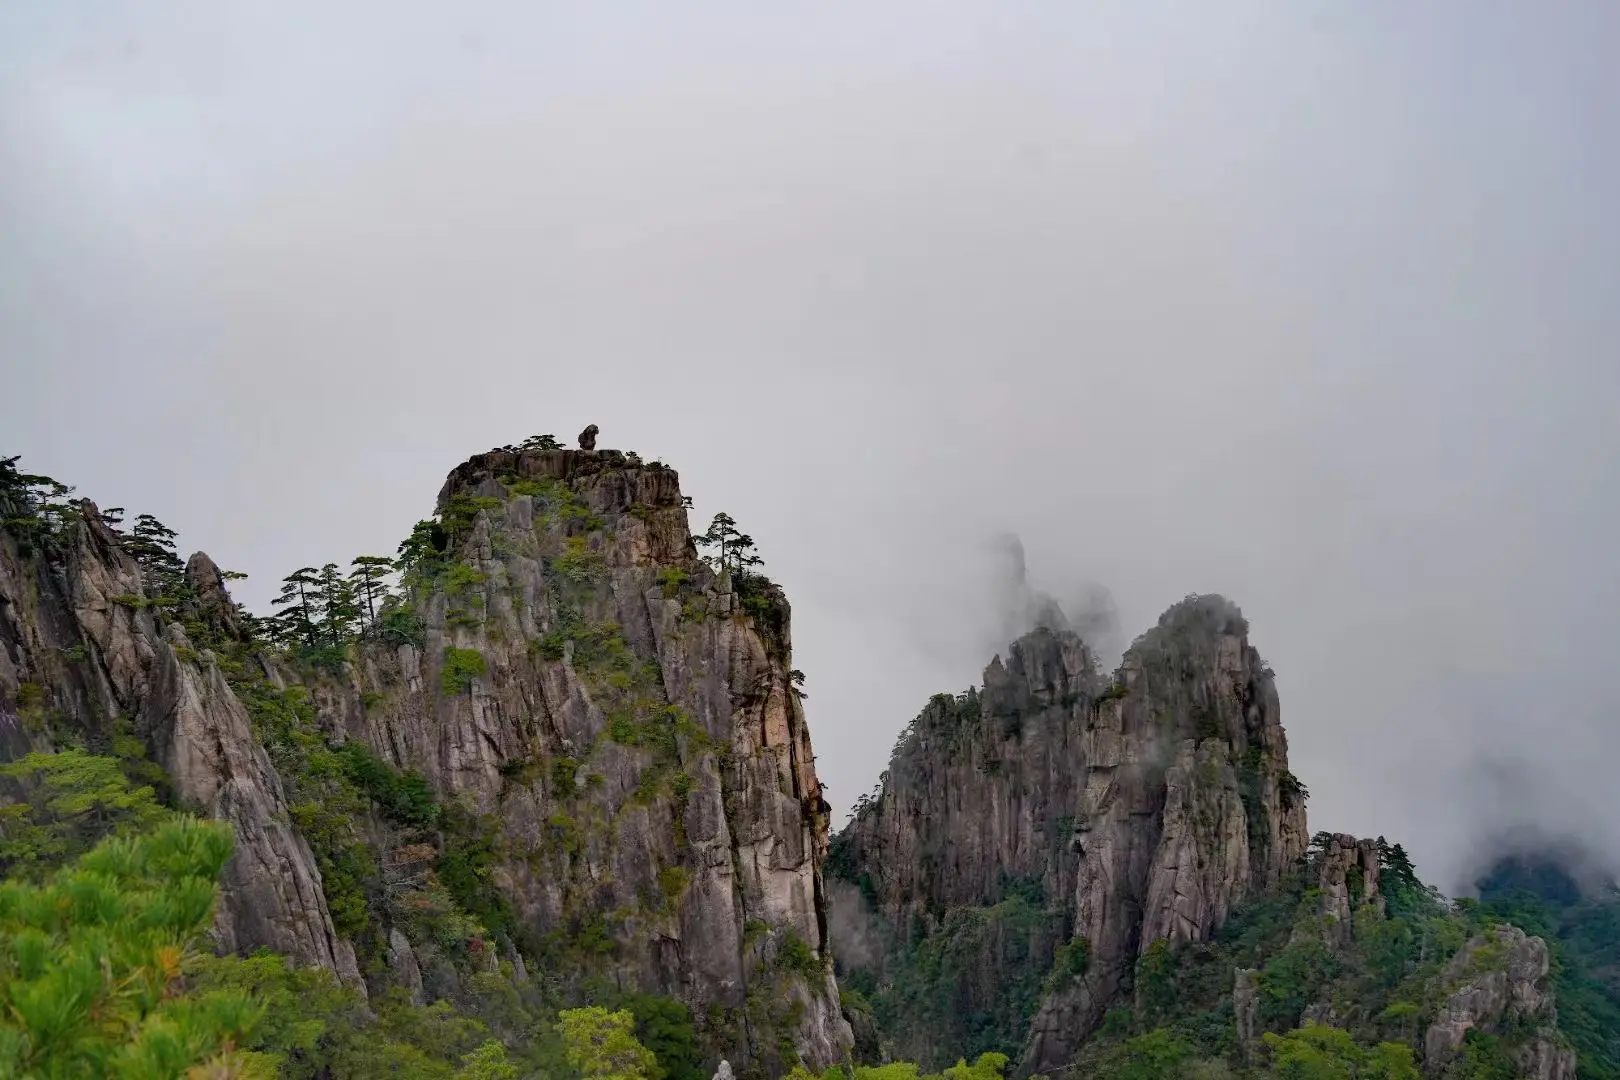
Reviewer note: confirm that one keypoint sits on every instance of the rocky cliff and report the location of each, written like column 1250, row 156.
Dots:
column 567, row 724
column 84, row 656
column 628, row 717
column 1144, row 807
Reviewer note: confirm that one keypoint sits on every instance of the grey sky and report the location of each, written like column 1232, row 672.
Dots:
column 1314, row 305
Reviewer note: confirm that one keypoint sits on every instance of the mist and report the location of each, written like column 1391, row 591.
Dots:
column 1312, row 307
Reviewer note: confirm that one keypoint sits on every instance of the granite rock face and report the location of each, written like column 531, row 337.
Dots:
column 1147, row 805
column 1348, row 880
column 1500, row 979
column 629, row 718
column 77, row 634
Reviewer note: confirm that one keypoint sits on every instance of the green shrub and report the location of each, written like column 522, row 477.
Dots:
column 794, row 954
column 672, row 882
column 91, row 963
column 461, row 667
column 62, row 805
column 1069, row 962
column 563, row 771
column 403, row 796
column 398, row 626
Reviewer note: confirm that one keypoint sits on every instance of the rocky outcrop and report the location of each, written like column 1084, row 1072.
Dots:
column 402, row 961
column 213, row 600
column 1348, row 882
column 1147, row 805
column 1500, row 981
column 78, row 635
column 1246, row 1011
column 629, row 719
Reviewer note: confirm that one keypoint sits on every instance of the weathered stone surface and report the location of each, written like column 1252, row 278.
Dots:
column 1150, row 804
column 634, row 729
column 91, row 596
column 1246, row 1010
column 213, row 599
column 402, row 961
column 1497, row 979
column 1347, row 878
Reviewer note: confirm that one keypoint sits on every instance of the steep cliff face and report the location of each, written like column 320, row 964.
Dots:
column 1146, row 806
column 82, row 657
column 567, row 664
column 568, row 739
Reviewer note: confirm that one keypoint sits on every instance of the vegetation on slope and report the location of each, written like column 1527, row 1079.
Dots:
column 1582, row 926
column 1324, row 1007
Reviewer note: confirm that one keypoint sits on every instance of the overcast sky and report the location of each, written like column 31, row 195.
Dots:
column 1314, row 305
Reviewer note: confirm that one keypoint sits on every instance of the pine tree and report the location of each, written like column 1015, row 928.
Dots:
column 602, row 1045
column 370, row 582
column 743, row 557
column 721, row 534
column 33, row 508
column 422, row 552
column 300, row 595
column 91, row 981
column 152, row 544
column 339, row 608
column 540, row 442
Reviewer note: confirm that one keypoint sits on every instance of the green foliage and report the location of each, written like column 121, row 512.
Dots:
column 1583, row 933
column 322, row 798
column 91, row 962
column 1291, row 789
column 56, row 807
column 459, row 513
column 795, row 954
column 1155, row 981
column 578, row 564
column 1114, row 691
column 1292, row 979
column 987, row 1066
column 665, row 1027
column 403, row 796
column 314, row 1028
column 1318, row 1052
column 34, row 509
column 672, row 882
column 602, row 1045
column 733, row 550
column 489, row 1062
column 461, row 578
column 1156, row 1055
column 969, row 987
column 423, row 555
column 368, row 576
column 398, row 625
column 461, row 667
column 1069, row 963
column 764, row 605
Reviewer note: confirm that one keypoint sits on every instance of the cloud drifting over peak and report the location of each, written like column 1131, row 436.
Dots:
column 1310, row 308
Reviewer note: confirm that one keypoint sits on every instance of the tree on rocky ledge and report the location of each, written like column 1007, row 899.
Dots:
column 734, row 550
column 370, row 582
